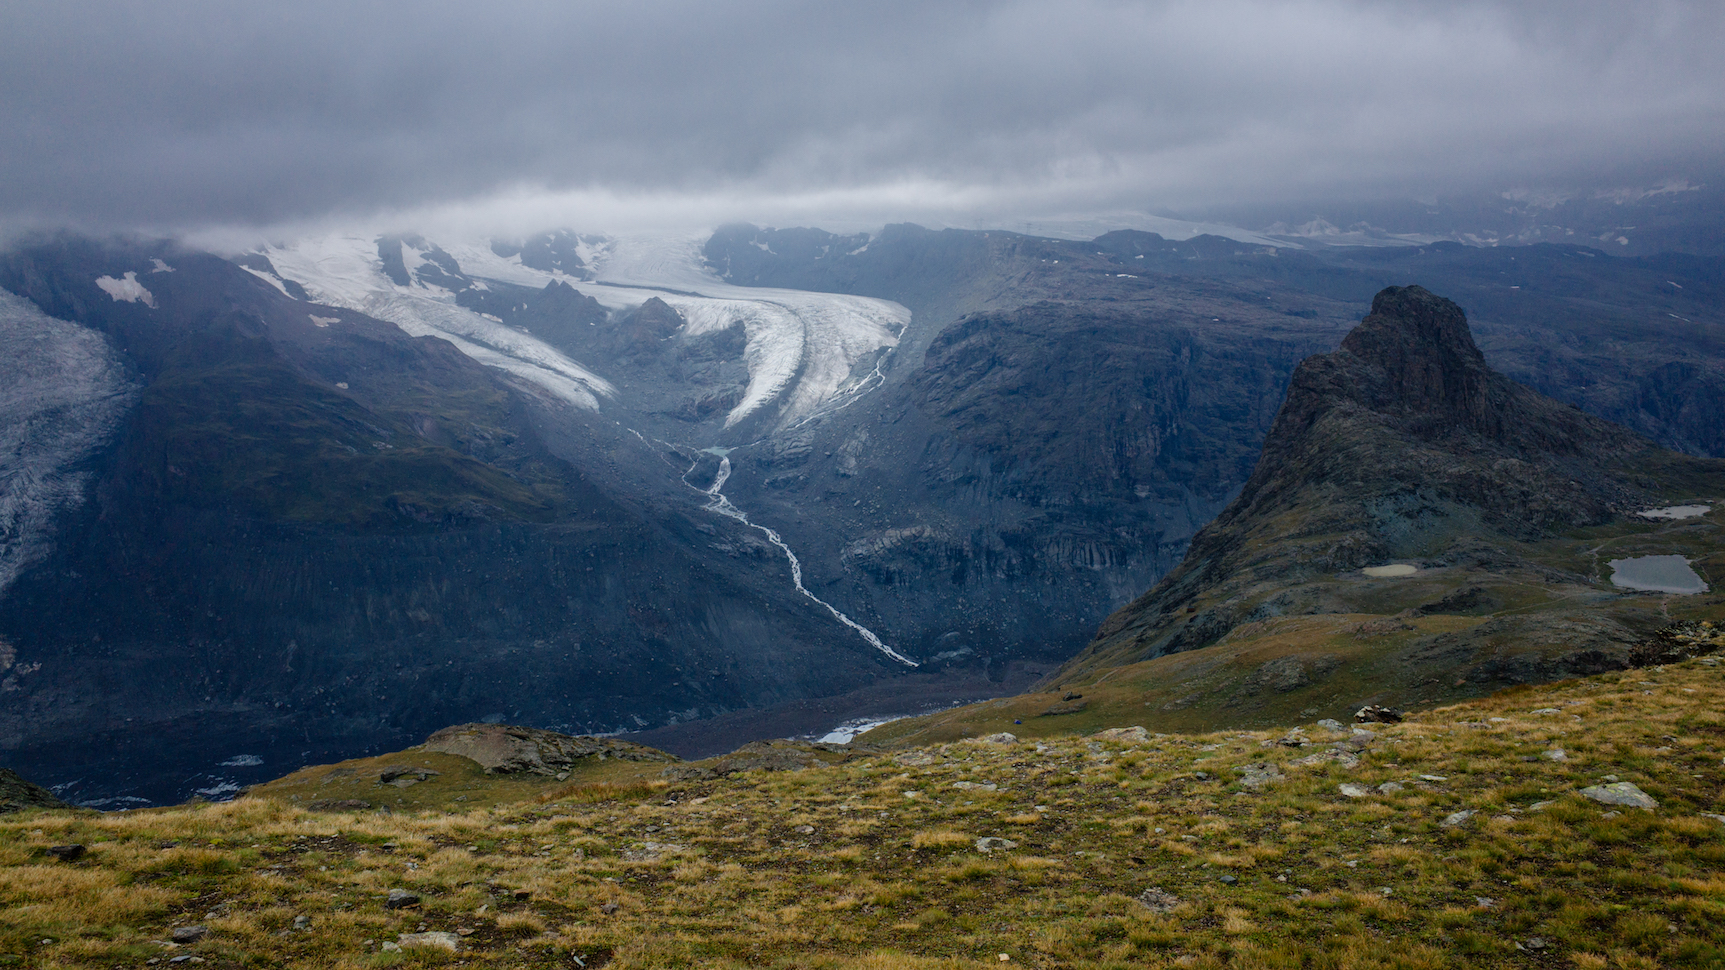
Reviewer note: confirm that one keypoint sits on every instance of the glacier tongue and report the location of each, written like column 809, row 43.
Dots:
column 344, row 270
column 802, row 346
column 65, row 394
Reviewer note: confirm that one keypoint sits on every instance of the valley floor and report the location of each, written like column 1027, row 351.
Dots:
column 1460, row 837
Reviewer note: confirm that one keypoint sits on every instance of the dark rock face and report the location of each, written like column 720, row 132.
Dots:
column 1402, row 444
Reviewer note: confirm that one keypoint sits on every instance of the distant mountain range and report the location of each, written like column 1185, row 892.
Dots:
column 333, row 494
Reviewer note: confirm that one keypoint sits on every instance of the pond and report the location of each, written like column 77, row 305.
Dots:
column 1392, row 570
column 1657, row 574
column 1676, row 512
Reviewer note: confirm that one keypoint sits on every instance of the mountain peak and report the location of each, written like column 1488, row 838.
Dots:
column 1402, row 445
column 1422, row 343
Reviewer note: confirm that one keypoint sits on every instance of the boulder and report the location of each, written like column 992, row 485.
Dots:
column 1620, row 793
column 1125, row 735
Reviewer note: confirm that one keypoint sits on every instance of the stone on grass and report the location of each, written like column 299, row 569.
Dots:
column 1620, row 793
column 189, row 934
column 1556, row 754
column 1331, row 724
column 1001, row 738
column 1158, row 900
column 1716, row 818
column 1377, row 714
column 67, row 853
column 990, row 843
column 1258, row 775
column 437, row 938
column 1389, row 787
column 977, row 785
column 1337, row 754
column 1355, row 791
column 1457, row 818
column 400, row 899
column 1125, row 735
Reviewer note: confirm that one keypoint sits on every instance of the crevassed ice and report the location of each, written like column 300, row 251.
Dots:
column 803, row 347
column 344, row 270
column 65, row 393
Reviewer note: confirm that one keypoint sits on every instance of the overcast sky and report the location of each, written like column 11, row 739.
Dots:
column 174, row 115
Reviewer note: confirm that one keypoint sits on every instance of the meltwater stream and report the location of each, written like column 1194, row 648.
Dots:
column 722, row 505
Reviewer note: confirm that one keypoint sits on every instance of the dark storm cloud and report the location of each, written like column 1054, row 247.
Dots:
column 185, row 113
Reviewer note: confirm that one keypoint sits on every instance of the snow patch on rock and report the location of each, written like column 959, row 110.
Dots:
column 126, row 290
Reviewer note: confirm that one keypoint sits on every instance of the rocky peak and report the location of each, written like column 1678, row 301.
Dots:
column 1428, row 362
column 1401, row 445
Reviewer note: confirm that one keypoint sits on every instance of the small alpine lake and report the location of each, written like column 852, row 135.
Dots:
column 1657, row 574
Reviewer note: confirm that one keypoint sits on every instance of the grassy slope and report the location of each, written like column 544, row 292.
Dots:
column 1363, row 645
column 873, row 862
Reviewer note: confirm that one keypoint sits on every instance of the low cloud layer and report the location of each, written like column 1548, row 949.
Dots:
column 181, row 115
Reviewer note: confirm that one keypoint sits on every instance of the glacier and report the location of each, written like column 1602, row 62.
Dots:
column 344, row 270
column 802, row 349
column 64, row 397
